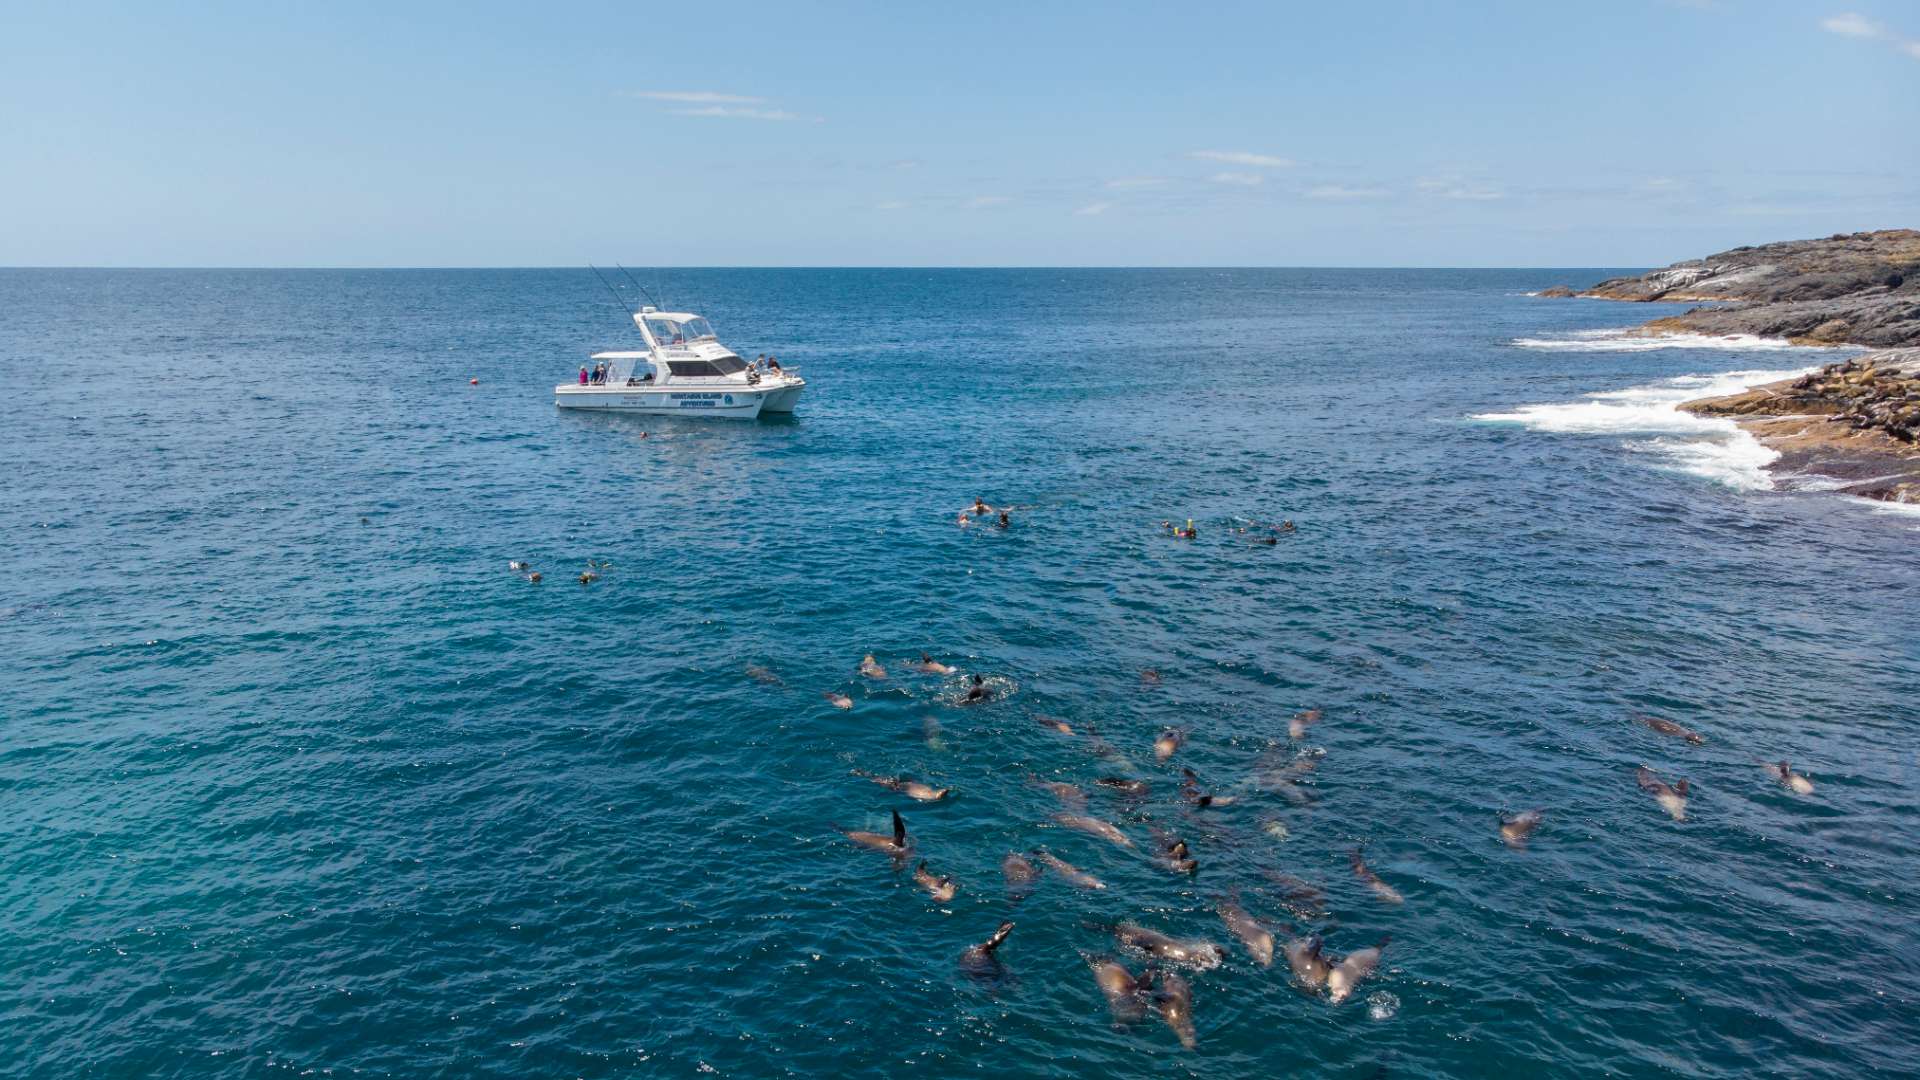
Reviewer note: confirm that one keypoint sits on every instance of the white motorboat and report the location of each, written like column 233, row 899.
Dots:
column 685, row 371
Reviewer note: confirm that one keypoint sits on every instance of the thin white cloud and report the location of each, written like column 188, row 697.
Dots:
column 713, row 103
column 1455, row 189
column 1339, row 193
column 1093, row 209
column 981, row 202
column 1242, row 157
column 906, row 163
column 738, row 113
column 1132, row 183
column 1850, row 24
column 697, row 97
column 1855, row 25
column 1241, row 178
column 891, row 204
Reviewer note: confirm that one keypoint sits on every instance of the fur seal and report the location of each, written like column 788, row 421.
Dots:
column 1175, row 999
column 931, row 666
column 1173, row 854
column 871, row 668
column 1380, row 888
column 1305, row 900
column 1668, row 727
column 1671, row 797
column 895, row 845
column 1347, row 973
column 839, row 700
column 1020, row 875
column 912, row 789
column 1055, row 723
column 1167, row 743
column 1302, row 720
column 1190, row 791
column 1258, row 939
column 1105, row 830
column 1195, row 953
column 1515, row 829
column 1073, row 875
column 1134, row 788
column 938, row 886
column 1069, row 795
column 1126, row 995
column 1309, row 968
column 982, row 960
column 762, row 675
column 1784, row 773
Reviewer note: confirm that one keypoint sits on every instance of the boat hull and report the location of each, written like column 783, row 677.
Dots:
column 734, row 404
column 784, row 399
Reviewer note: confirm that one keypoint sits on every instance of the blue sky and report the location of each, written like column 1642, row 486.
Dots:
column 1037, row 133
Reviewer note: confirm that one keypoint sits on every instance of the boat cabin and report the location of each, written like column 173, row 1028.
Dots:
column 681, row 348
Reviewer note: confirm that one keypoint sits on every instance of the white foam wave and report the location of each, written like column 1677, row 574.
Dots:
column 1883, row 506
column 1705, row 446
column 1636, row 340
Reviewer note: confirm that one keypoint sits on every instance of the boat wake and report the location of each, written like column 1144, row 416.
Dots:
column 1649, row 417
column 1635, row 340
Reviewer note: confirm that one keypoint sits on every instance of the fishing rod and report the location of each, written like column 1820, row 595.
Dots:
column 624, row 309
column 643, row 289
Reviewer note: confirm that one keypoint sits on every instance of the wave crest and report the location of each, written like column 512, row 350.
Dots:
column 1706, row 446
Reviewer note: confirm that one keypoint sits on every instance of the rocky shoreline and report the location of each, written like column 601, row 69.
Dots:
column 1848, row 289
column 1856, row 422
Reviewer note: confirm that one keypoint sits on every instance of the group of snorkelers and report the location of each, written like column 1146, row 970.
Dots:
column 980, row 511
column 1263, row 532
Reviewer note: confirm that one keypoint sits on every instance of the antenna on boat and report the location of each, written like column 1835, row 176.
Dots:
column 637, row 285
column 630, row 313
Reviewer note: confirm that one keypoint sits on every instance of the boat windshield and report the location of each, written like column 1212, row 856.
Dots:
column 678, row 331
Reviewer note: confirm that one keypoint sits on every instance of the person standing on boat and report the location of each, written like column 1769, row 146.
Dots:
column 583, row 374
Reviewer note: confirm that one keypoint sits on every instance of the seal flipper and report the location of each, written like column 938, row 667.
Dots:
column 899, row 831
column 999, row 936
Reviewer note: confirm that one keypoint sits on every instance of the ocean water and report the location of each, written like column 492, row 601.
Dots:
column 300, row 779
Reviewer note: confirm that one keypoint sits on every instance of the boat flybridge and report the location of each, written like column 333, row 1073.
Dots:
column 685, row 371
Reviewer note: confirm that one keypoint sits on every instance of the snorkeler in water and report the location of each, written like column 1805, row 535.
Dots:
column 1003, row 522
column 978, row 692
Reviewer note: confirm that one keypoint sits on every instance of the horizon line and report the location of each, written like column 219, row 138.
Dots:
column 848, row 266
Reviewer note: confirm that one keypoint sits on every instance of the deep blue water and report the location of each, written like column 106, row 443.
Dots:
column 298, row 776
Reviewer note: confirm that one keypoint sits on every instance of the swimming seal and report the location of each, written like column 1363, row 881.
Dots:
column 1347, row 973
column 1258, row 939
column 1515, row 830
column 982, row 959
column 1175, row 999
column 1671, row 797
column 1195, row 953
column 895, row 845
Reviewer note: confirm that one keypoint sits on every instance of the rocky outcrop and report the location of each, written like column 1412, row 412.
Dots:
column 1851, row 288
column 1857, row 421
